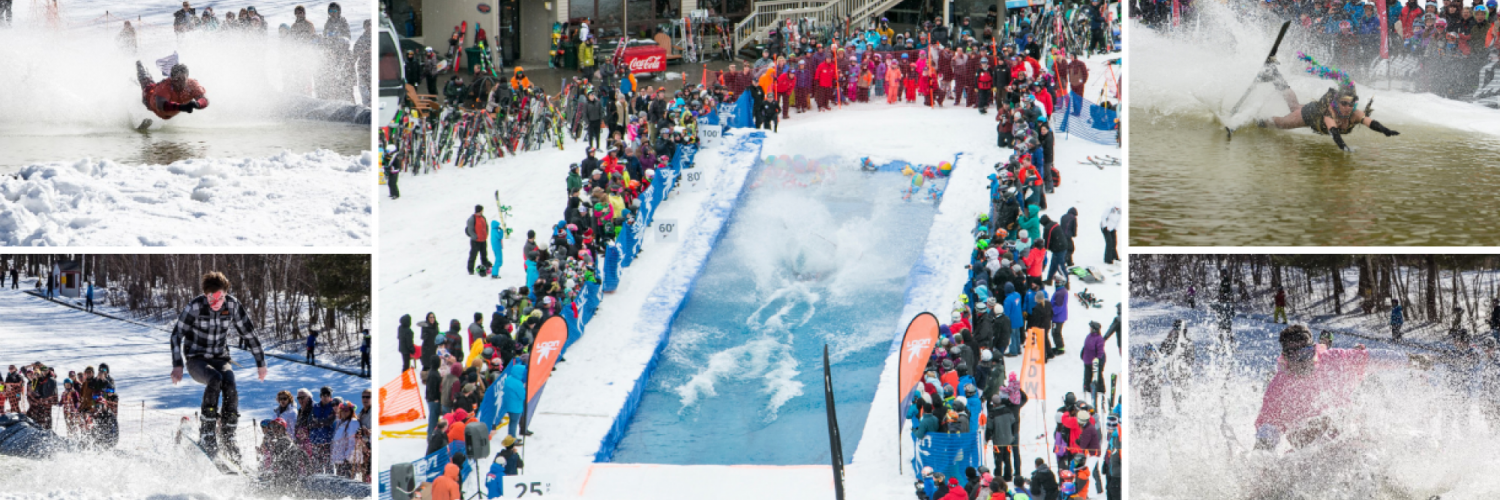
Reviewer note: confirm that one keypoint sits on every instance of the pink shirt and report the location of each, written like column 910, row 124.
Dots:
column 1292, row 399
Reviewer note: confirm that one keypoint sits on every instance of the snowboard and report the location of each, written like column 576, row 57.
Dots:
column 502, row 211
column 553, row 61
column 186, row 432
column 1270, row 59
column 1087, row 274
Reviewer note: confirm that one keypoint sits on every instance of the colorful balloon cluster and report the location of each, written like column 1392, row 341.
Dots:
column 1321, row 71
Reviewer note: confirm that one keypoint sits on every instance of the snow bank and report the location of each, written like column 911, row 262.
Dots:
column 318, row 198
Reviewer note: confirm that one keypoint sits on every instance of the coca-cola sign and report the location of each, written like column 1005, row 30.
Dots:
column 648, row 64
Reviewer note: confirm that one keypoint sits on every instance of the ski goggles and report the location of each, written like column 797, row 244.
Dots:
column 333, row 10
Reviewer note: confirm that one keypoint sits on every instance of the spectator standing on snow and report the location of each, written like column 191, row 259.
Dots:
column 1279, row 315
column 1044, row 482
column 88, row 298
column 1093, row 350
column 312, row 344
column 321, row 432
column 1398, row 318
column 406, row 343
column 478, row 229
column 1109, row 225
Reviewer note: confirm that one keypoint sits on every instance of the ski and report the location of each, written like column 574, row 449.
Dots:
column 1270, row 59
column 185, row 431
column 144, row 126
column 1112, row 378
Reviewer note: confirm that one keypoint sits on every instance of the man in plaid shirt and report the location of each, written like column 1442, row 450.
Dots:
column 202, row 337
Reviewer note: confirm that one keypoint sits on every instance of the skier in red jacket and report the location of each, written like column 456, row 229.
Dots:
column 827, row 77
column 176, row 94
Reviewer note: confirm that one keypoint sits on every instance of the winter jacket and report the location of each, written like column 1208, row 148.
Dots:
column 1013, row 307
column 477, row 228
column 1041, row 316
column 445, row 487
column 514, row 398
column 827, row 74
column 1291, row 400
column 1397, row 317
column 1060, row 305
column 323, row 415
column 1044, row 484
column 927, row 424
column 344, row 445
column 429, row 342
column 1089, row 438
column 1093, row 348
column 202, row 332
column 405, row 338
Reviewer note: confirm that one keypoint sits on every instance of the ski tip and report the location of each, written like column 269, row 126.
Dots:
column 1228, row 133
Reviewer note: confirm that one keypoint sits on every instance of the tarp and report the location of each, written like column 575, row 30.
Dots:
column 1092, row 122
column 743, row 115
column 401, row 400
column 489, row 409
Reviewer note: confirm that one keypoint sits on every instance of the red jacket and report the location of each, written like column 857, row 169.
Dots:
column 985, row 82
column 1034, row 261
column 826, row 74
column 1046, row 97
column 166, row 102
column 785, row 82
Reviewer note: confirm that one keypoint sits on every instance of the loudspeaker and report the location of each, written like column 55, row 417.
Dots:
column 477, row 439
column 403, row 481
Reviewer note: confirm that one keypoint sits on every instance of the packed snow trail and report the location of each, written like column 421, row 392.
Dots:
column 146, row 463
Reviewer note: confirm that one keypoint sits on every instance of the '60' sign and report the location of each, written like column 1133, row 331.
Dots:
column 666, row 229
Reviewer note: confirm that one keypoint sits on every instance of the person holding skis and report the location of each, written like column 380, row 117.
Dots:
column 200, row 346
column 1334, row 114
column 167, row 98
column 1310, row 381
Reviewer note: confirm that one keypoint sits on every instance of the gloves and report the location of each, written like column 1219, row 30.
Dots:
column 1376, row 126
column 1338, row 139
column 187, row 107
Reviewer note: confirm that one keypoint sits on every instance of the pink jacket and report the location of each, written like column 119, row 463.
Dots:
column 1292, row 399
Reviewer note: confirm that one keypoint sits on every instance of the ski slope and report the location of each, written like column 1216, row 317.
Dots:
column 423, row 252
column 146, row 464
column 1422, row 431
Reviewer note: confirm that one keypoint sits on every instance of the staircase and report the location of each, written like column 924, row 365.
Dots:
column 769, row 13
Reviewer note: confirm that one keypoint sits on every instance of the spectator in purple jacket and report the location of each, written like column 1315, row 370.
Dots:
column 1089, row 437
column 1059, row 311
column 1093, row 348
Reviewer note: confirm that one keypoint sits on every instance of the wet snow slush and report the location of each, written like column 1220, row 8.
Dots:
column 799, row 267
column 1407, row 435
column 147, row 463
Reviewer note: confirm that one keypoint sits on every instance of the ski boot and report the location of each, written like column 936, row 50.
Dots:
column 1272, row 75
column 208, row 431
column 228, row 449
column 143, row 76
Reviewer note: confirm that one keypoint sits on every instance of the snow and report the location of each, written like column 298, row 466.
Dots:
column 423, row 249
column 33, row 329
column 1423, row 431
column 317, row 198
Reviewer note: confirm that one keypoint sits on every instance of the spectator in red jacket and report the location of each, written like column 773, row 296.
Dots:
column 784, row 84
column 478, row 230
column 827, row 77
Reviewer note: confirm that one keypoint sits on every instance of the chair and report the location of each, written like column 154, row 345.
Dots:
column 421, row 102
column 666, row 44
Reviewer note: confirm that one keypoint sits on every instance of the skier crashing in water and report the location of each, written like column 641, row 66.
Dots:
column 202, row 337
column 1335, row 114
column 176, row 94
column 1310, row 381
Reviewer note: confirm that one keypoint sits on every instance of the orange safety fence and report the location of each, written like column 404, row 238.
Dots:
column 401, row 400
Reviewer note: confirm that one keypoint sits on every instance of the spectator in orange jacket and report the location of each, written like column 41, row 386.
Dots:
column 445, row 487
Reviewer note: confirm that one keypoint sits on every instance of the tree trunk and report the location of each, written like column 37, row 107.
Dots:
column 1432, row 291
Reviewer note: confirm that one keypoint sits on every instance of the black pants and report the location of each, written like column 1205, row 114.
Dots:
column 593, row 130
column 1057, row 337
column 407, row 362
column 1008, row 462
column 480, row 249
column 1112, row 488
column 984, row 99
column 432, row 87
column 1089, row 384
column 221, row 399
column 1110, row 253
column 311, row 359
column 364, row 362
column 5, row 10
column 88, row 304
column 390, row 184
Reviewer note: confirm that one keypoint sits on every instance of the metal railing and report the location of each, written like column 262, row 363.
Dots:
column 768, row 14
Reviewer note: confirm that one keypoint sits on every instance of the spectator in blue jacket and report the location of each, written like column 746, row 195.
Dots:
column 321, row 433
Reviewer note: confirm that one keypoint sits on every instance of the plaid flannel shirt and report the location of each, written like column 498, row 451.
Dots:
column 204, row 333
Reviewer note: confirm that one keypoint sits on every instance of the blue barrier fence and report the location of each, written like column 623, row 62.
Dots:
column 950, row 454
column 1092, row 122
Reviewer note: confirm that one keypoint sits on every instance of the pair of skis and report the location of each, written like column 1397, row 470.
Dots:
column 1270, row 60
column 1101, row 161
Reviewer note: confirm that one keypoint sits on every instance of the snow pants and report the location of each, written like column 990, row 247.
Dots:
column 911, row 89
column 786, row 101
column 892, row 93
column 804, row 98
column 221, row 400
column 478, row 248
column 1279, row 315
column 1007, row 462
column 390, row 184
